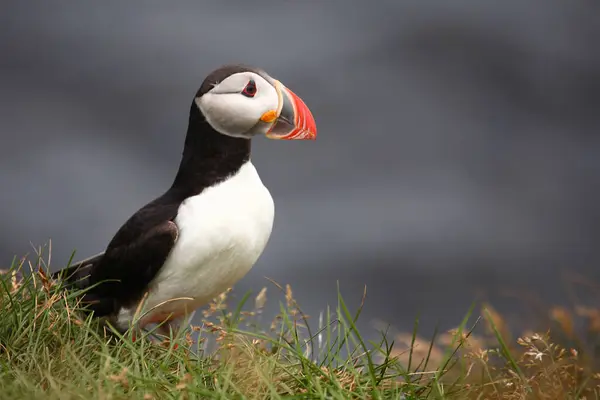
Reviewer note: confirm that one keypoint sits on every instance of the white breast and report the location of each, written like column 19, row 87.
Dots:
column 222, row 232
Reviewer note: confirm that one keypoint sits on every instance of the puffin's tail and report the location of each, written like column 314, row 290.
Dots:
column 77, row 275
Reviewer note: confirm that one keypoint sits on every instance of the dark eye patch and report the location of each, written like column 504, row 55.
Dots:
column 250, row 89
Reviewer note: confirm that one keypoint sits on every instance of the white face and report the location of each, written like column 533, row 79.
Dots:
column 234, row 106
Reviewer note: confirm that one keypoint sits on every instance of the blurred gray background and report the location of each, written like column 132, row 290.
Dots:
column 457, row 155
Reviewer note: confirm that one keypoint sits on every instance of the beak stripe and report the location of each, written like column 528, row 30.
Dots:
column 295, row 121
column 303, row 127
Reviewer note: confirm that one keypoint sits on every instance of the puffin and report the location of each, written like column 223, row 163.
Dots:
column 208, row 229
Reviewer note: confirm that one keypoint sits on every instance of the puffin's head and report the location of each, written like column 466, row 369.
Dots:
column 243, row 102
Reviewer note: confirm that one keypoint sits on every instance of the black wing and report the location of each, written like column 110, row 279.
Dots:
column 133, row 258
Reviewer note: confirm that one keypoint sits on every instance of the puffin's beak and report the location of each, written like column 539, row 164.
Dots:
column 293, row 121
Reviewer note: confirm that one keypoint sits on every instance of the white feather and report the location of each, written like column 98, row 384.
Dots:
column 222, row 233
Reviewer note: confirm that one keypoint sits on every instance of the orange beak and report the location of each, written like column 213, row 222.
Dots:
column 294, row 120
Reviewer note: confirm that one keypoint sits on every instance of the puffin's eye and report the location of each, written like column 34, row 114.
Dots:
column 250, row 89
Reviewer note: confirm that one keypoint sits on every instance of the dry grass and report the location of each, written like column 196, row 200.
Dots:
column 490, row 364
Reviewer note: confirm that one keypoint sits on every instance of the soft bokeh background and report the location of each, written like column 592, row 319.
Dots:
column 457, row 155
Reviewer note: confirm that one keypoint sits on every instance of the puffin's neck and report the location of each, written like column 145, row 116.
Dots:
column 208, row 156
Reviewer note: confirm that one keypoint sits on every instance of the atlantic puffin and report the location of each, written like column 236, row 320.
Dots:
column 209, row 228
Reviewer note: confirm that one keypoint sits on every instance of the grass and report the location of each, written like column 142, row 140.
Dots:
column 47, row 351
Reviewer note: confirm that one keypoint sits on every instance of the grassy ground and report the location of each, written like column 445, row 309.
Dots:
column 47, row 351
